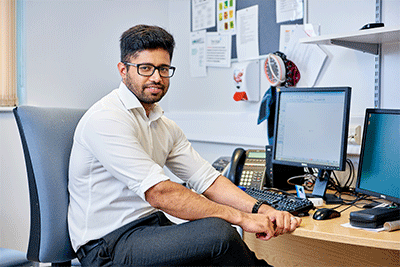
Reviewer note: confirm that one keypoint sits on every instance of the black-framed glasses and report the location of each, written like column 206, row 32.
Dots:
column 147, row 69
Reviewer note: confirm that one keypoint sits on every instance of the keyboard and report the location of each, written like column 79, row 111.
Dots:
column 284, row 202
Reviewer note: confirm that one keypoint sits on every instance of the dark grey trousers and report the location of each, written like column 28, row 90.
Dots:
column 156, row 241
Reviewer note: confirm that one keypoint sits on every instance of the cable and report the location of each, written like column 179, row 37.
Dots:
column 308, row 180
column 351, row 177
column 334, row 183
column 350, row 203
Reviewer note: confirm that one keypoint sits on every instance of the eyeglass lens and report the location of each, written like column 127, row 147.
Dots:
column 148, row 70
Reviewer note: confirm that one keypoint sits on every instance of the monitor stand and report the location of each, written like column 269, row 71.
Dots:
column 320, row 186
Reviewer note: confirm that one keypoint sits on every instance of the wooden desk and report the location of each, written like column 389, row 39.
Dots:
column 327, row 243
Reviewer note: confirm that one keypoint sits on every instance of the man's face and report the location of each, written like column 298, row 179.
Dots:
column 151, row 89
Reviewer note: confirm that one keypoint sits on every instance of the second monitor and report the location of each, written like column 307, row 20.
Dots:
column 311, row 130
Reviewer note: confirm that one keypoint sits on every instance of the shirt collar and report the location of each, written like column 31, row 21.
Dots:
column 130, row 101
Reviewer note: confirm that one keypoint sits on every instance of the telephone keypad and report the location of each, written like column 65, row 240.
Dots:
column 249, row 176
column 251, row 172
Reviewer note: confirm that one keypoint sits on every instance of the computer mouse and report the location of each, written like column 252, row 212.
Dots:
column 325, row 214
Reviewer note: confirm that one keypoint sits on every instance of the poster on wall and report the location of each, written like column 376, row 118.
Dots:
column 203, row 14
column 226, row 16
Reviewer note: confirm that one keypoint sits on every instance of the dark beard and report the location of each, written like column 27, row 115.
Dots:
column 141, row 96
column 145, row 99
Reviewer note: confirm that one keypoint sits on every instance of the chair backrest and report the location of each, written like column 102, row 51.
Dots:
column 46, row 136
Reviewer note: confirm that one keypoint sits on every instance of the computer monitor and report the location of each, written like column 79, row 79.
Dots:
column 311, row 130
column 379, row 166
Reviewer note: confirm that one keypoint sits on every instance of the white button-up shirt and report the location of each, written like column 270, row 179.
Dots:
column 118, row 154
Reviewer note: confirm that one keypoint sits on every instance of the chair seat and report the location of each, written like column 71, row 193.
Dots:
column 10, row 257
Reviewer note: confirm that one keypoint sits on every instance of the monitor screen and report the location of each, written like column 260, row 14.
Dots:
column 379, row 166
column 311, row 127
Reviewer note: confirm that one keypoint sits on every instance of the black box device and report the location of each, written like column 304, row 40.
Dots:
column 374, row 218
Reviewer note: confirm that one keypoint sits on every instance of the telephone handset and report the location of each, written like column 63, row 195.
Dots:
column 247, row 168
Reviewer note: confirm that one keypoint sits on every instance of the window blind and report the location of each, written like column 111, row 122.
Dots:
column 8, row 60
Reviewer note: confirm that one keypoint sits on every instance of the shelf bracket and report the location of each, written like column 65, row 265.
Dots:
column 377, row 84
column 378, row 59
column 364, row 47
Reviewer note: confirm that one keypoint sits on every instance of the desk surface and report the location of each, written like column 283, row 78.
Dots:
column 332, row 230
column 328, row 243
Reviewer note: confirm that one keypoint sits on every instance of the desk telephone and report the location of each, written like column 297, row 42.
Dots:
column 254, row 169
column 247, row 168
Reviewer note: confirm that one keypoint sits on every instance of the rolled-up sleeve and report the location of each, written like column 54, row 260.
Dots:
column 188, row 165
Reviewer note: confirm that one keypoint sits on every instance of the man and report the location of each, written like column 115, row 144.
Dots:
column 118, row 190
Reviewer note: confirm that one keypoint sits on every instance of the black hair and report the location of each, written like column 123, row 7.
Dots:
column 142, row 37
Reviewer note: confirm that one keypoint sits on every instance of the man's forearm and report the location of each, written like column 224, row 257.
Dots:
column 183, row 203
column 222, row 200
column 225, row 192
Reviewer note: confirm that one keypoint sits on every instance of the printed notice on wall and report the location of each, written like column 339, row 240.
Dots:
column 247, row 33
column 287, row 31
column 198, row 54
column 203, row 14
column 226, row 20
column 288, row 10
column 218, row 49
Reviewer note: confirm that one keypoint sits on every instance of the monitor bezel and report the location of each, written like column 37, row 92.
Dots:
column 360, row 163
column 345, row 127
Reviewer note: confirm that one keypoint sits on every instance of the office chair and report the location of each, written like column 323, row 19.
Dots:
column 10, row 257
column 46, row 137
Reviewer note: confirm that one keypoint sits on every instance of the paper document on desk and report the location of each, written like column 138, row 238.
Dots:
column 348, row 225
column 309, row 58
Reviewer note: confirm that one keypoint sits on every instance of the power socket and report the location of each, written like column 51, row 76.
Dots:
column 357, row 135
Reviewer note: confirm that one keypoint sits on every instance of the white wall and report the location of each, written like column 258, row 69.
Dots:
column 71, row 56
column 14, row 201
column 206, row 103
column 391, row 58
column 351, row 67
column 72, row 51
column 204, row 108
column 73, row 47
column 345, row 66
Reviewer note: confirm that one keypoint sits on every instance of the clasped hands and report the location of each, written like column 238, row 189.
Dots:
column 279, row 223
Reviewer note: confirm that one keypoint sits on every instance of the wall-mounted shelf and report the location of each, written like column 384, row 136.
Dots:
column 362, row 40
column 368, row 41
